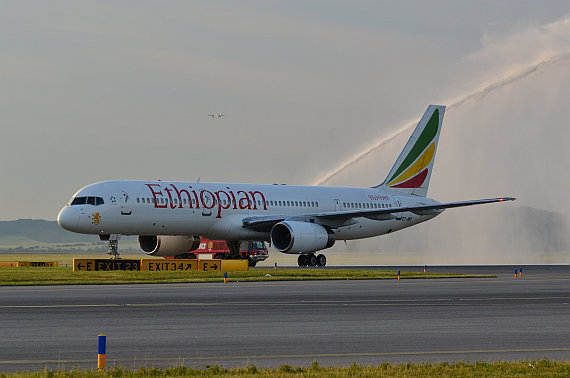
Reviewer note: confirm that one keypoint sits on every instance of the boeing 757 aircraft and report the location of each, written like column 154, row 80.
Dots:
column 170, row 217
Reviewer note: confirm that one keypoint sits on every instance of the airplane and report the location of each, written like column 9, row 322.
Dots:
column 215, row 115
column 170, row 217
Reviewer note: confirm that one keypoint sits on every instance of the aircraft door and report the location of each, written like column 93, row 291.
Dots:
column 337, row 204
column 398, row 214
column 207, row 205
column 125, row 202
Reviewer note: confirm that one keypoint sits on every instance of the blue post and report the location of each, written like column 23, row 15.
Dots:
column 225, row 277
column 425, row 268
column 398, row 275
column 515, row 273
column 102, row 350
column 275, row 265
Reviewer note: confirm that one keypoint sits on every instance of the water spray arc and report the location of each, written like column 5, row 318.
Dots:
column 476, row 94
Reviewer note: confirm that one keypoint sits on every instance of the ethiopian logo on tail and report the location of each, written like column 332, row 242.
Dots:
column 414, row 168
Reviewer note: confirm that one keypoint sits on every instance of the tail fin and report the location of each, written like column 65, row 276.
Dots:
column 412, row 171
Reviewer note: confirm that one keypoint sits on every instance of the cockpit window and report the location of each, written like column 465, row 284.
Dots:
column 79, row 201
column 95, row 201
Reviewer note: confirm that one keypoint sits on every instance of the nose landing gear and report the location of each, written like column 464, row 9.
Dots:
column 312, row 260
column 113, row 240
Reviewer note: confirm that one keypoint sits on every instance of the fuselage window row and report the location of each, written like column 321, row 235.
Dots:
column 224, row 202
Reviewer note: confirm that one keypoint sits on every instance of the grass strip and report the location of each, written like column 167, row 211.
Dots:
column 541, row 368
column 66, row 276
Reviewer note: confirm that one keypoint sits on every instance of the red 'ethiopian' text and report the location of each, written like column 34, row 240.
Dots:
column 219, row 199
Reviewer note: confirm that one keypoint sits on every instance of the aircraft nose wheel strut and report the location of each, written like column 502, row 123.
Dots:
column 312, row 260
column 113, row 246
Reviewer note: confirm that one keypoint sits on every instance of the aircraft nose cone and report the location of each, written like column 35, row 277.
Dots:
column 68, row 218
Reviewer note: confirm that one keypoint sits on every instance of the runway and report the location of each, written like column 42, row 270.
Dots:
column 273, row 323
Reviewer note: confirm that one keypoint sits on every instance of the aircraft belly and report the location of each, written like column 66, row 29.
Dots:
column 366, row 228
column 230, row 228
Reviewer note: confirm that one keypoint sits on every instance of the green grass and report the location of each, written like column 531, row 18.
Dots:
column 66, row 276
column 542, row 368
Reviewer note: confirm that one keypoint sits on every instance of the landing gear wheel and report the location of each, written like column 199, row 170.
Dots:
column 191, row 256
column 219, row 256
column 312, row 260
column 321, row 260
column 250, row 262
column 302, row 260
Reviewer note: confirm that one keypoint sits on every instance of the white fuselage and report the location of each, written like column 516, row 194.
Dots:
column 216, row 210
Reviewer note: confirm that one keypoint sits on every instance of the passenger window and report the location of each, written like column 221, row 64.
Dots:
column 296, row 203
column 138, row 200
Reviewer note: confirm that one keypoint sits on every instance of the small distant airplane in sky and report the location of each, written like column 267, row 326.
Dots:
column 215, row 115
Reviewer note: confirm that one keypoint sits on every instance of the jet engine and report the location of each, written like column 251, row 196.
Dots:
column 300, row 237
column 168, row 245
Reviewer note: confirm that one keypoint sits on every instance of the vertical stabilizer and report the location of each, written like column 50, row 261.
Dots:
column 412, row 171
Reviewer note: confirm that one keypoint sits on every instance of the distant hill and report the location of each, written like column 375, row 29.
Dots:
column 25, row 231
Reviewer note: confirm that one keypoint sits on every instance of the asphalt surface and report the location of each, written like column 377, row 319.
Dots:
column 274, row 323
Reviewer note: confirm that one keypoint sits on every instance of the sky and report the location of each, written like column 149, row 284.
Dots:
column 100, row 90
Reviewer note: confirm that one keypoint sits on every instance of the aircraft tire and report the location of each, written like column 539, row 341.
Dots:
column 191, row 256
column 321, row 260
column 219, row 256
column 302, row 260
column 250, row 262
column 312, row 260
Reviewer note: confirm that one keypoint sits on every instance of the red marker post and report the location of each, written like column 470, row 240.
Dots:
column 102, row 350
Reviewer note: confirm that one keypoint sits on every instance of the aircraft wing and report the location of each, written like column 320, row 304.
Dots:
column 337, row 218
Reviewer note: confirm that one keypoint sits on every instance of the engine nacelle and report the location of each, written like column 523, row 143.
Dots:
column 168, row 245
column 300, row 237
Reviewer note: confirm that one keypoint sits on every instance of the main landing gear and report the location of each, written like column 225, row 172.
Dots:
column 312, row 260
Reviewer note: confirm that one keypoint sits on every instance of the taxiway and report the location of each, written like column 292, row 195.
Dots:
column 273, row 323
